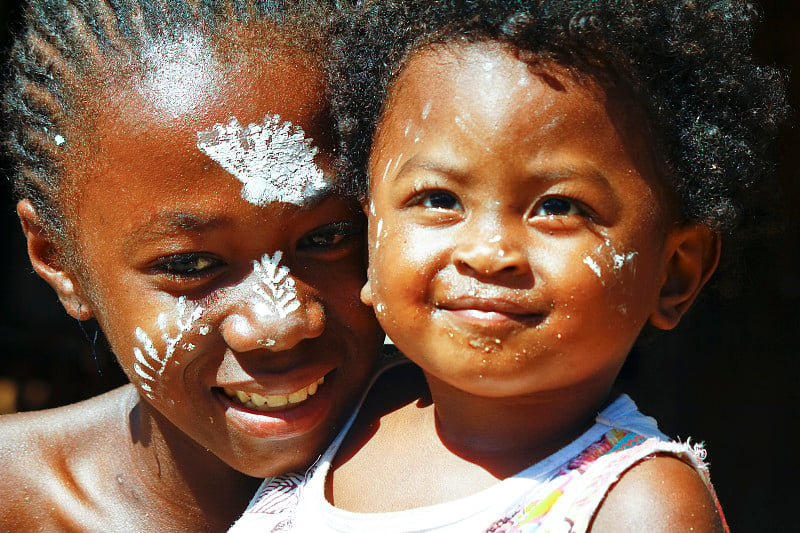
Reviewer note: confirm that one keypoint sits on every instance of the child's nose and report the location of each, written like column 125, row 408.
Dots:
column 491, row 254
column 248, row 327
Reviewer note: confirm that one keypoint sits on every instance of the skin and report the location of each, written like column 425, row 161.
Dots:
column 520, row 239
column 155, row 222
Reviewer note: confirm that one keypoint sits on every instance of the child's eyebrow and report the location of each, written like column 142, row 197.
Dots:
column 548, row 174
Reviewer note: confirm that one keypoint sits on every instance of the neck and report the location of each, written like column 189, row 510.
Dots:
column 180, row 480
column 505, row 435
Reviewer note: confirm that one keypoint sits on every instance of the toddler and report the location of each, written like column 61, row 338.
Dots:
column 174, row 174
column 545, row 180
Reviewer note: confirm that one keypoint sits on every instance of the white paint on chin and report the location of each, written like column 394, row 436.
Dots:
column 274, row 160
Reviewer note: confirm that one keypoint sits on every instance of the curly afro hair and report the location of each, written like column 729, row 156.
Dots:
column 713, row 111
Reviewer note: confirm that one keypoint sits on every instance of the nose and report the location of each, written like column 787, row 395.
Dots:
column 496, row 252
column 252, row 325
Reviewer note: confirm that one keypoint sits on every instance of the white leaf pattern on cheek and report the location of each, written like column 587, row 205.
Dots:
column 275, row 287
column 149, row 364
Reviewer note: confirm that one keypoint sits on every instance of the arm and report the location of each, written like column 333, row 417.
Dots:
column 662, row 494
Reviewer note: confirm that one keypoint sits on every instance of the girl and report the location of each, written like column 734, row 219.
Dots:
column 545, row 180
column 174, row 180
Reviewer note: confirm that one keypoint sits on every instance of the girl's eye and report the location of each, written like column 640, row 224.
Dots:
column 330, row 236
column 558, row 206
column 188, row 265
column 440, row 200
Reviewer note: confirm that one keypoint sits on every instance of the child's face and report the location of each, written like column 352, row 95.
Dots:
column 516, row 234
column 202, row 283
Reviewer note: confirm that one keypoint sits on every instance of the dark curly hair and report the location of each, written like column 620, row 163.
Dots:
column 713, row 111
column 65, row 46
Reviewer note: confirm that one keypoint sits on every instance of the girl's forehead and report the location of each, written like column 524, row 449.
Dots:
column 148, row 121
column 182, row 88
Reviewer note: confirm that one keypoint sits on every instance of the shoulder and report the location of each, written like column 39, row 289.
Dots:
column 661, row 494
column 43, row 457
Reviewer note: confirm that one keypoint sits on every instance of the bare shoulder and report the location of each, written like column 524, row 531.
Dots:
column 662, row 494
column 46, row 456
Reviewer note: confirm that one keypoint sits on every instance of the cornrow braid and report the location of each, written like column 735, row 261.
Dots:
column 64, row 44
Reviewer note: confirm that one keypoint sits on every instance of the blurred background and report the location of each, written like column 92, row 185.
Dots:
column 727, row 376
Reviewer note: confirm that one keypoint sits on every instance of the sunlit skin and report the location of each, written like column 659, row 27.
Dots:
column 520, row 239
column 154, row 222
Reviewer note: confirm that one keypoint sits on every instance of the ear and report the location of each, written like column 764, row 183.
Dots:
column 48, row 262
column 691, row 257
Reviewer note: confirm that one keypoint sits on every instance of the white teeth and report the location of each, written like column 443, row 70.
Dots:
column 262, row 403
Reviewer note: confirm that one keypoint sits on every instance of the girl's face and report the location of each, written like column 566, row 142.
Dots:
column 221, row 268
column 516, row 235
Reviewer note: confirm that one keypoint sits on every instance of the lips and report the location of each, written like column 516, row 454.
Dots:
column 490, row 312
column 272, row 402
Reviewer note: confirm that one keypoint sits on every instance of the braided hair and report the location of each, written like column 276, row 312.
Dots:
column 688, row 63
column 67, row 46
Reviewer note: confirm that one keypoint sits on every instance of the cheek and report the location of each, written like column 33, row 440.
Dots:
column 404, row 256
column 161, row 343
column 589, row 277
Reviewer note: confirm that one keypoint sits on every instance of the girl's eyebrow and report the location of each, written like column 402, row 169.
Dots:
column 168, row 223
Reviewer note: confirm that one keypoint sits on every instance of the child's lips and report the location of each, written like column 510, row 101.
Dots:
column 490, row 312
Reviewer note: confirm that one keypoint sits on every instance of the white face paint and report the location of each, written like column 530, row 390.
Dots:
column 274, row 286
column 274, row 160
column 611, row 258
column 149, row 363
column 178, row 73
column 593, row 266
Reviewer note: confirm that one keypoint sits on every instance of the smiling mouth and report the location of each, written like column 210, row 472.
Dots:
column 271, row 402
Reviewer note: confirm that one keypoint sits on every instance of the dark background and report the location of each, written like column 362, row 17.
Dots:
column 728, row 375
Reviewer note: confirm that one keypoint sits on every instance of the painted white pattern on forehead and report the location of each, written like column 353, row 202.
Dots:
column 274, row 160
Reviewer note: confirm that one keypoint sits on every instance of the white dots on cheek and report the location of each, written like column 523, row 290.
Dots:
column 593, row 266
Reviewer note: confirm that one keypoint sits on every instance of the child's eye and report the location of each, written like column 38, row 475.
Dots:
column 439, row 200
column 558, row 206
column 191, row 265
column 330, row 237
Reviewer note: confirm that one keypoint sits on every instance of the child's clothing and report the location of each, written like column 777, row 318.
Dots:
column 558, row 494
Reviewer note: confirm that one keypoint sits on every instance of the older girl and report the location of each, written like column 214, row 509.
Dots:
column 174, row 182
